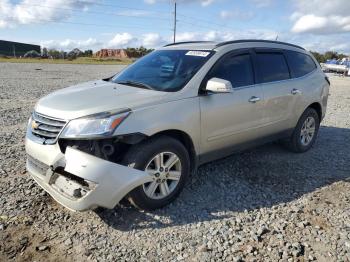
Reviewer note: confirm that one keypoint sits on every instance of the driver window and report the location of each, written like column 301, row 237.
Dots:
column 237, row 69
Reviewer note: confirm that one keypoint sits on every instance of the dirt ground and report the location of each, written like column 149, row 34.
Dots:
column 264, row 204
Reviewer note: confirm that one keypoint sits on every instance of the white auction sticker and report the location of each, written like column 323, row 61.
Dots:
column 198, row 53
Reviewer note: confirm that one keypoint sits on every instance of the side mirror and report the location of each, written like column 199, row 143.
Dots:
column 218, row 85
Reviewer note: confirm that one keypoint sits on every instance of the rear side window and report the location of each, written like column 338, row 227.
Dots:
column 300, row 64
column 236, row 69
column 271, row 67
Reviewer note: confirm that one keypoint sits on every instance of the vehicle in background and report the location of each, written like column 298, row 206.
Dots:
column 337, row 66
column 140, row 133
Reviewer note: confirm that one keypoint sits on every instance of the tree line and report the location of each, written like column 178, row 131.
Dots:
column 132, row 52
column 329, row 55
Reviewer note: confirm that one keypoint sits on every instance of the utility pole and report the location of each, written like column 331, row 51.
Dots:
column 174, row 21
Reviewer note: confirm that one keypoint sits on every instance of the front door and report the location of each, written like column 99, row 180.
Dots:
column 229, row 119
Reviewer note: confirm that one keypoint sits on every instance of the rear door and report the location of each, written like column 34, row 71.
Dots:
column 231, row 118
column 273, row 75
column 306, row 81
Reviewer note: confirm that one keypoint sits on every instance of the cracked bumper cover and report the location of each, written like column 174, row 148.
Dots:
column 94, row 181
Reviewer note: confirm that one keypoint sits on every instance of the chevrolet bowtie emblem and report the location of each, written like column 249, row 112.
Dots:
column 35, row 125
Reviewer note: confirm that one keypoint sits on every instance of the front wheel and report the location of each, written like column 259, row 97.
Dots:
column 168, row 162
column 305, row 133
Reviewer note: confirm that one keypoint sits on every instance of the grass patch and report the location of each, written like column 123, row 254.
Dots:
column 79, row 60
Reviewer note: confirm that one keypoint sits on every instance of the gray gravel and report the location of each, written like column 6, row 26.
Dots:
column 263, row 204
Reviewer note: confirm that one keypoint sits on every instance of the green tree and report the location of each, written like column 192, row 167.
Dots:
column 88, row 53
column 331, row 55
column 53, row 53
column 137, row 52
column 319, row 57
column 44, row 52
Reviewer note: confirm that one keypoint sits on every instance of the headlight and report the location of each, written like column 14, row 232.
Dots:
column 99, row 125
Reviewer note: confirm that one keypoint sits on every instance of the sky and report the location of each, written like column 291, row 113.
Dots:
column 318, row 25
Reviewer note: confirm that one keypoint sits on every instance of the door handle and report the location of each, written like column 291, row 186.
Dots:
column 254, row 99
column 295, row 91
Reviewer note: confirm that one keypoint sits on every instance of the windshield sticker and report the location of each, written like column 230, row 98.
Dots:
column 198, row 53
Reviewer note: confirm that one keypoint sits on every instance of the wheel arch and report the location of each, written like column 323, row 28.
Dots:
column 317, row 106
column 186, row 140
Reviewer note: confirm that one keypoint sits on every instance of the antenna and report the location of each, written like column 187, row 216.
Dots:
column 174, row 21
column 276, row 37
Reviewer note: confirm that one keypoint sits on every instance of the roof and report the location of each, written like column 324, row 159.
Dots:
column 209, row 45
column 194, row 45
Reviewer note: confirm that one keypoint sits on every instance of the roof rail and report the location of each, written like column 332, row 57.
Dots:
column 256, row 40
column 188, row 42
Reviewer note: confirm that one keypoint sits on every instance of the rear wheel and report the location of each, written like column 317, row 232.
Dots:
column 168, row 162
column 305, row 133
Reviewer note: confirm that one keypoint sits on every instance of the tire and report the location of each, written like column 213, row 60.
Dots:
column 297, row 142
column 145, row 155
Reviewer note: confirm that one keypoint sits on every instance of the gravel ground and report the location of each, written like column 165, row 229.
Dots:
column 263, row 204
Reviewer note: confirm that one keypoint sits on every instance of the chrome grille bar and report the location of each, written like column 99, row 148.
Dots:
column 46, row 127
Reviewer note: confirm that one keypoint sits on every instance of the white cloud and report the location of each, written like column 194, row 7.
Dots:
column 36, row 11
column 323, row 8
column 206, row 2
column 152, row 40
column 219, row 36
column 236, row 14
column 119, row 40
column 262, row 3
column 69, row 44
column 320, row 43
column 324, row 44
column 202, row 2
column 122, row 40
column 136, row 13
column 321, row 17
column 322, row 24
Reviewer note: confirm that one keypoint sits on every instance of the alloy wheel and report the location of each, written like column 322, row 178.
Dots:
column 165, row 168
column 307, row 131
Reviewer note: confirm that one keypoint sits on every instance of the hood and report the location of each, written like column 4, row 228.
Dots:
column 96, row 97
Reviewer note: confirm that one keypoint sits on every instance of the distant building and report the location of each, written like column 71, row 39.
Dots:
column 111, row 53
column 8, row 48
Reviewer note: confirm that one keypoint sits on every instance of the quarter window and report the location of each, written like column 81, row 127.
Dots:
column 300, row 64
column 271, row 67
column 236, row 69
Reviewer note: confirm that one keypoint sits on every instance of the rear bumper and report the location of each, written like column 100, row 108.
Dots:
column 80, row 181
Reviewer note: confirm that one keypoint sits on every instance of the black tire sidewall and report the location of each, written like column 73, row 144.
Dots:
column 142, row 154
column 299, row 147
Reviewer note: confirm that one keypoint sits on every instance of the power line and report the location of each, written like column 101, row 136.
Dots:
column 139, row 17
column 122, row 7
column 205, row 21
column 92, row 24
column 175, row 13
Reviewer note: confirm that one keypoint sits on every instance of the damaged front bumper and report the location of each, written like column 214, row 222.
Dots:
column 80, row 181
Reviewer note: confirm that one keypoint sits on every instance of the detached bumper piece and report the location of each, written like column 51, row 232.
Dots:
column 80, row 181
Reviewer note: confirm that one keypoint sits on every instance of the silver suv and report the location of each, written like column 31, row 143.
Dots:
column 140, row 133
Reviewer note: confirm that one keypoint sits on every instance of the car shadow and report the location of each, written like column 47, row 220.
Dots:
column 259, row 178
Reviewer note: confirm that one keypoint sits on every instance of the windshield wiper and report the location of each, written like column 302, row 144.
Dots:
column 136, row 84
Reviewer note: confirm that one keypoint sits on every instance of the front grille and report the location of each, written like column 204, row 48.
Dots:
column 47, row 128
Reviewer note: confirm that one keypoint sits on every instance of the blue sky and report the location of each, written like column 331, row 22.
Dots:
column 64, row 24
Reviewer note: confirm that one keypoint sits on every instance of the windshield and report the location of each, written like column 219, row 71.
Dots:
column 163, row 70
